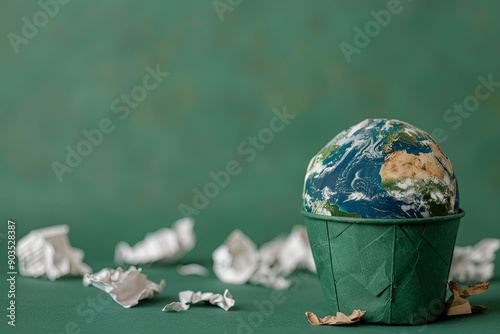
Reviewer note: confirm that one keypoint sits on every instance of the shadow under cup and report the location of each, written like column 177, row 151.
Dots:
column 394, row 269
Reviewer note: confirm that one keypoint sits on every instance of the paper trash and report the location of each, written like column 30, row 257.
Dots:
column 163, row 246
column 474, row 264
column 268, row 277
column 192, row 269
column 458, row 305
column 188, row 297
column 127, row 288
column 340, row 319
column 290, row 253
column 47, row 253
column 238, row 260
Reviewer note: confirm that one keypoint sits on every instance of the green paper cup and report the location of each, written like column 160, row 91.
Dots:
column 394, row 269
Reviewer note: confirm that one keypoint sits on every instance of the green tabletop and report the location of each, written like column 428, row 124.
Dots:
column 66, row 306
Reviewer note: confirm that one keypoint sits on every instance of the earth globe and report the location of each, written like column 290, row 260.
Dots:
column 381, row 168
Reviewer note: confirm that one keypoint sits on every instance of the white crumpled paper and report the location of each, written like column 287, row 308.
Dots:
column 290, row 253
column 192, row 269
column 188, row 297
column 474, row 264
column 238, row 260
column 163, row 246
column 127, row 288
column 47, row 252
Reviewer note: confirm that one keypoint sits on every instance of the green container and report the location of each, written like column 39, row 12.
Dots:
column 394, row 269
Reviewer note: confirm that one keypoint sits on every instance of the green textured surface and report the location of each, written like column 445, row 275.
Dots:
column 225, row 79
column 48, row 307
column 397, row 269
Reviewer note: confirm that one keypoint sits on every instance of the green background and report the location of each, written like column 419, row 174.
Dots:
column 225, row 79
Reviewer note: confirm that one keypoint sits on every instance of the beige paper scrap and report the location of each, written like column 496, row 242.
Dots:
column 457, row 303
column 340, row 319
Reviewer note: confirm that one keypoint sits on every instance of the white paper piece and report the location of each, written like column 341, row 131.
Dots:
column 269, row 277
column 127, row 288
column 290, row 253
column 192, row 269
column 163, row 246
column 474, row 264
column 188, row 297
column 238, row 261
column 47, row 252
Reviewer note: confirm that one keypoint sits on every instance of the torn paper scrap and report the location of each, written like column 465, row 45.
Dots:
column 266, row 274
column 474, row 264
column 457, row 303
column 48, row 253
column 166, row 245
column 188, row 297
column 290, row 253
column 340, row 319
column 238, row 260
column 270, row 278
column 192, row 269
column 127, row 288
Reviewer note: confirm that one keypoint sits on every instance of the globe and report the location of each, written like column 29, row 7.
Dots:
column 381, row 168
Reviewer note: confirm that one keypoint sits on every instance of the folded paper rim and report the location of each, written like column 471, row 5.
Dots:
column 383, row 221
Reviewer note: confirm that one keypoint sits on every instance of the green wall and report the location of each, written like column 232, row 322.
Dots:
column 225, row 78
